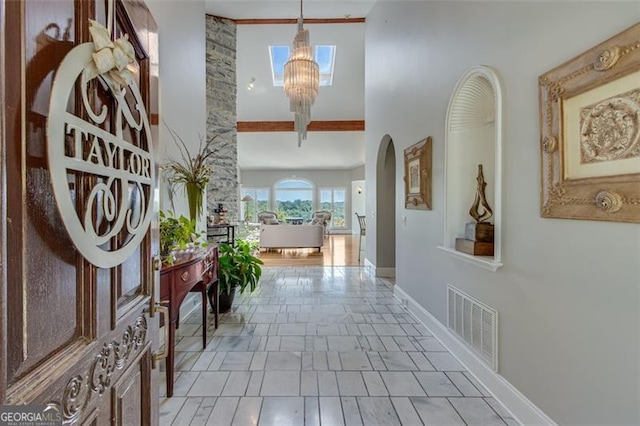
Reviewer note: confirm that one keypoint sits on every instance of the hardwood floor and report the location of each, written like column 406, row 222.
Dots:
column 338, row 250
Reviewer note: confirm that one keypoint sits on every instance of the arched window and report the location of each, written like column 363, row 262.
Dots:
column 294, row 200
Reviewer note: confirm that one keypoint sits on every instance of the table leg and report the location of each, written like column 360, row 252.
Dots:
column 214, row 291
column 170, row 357
column 204, row 315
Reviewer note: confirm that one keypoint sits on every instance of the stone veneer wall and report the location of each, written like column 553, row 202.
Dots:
column 221, row 115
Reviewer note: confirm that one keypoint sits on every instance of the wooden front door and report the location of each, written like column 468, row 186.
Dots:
column 72, row 334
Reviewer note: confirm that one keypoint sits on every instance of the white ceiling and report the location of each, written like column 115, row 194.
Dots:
column 344, row 100
column 321, row 151
column 247, row 9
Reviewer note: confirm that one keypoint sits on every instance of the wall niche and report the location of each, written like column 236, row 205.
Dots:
column 473, row 137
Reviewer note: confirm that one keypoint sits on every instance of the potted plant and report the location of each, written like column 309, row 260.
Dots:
column 190, row 172
column 178, row 235
column 238, row 269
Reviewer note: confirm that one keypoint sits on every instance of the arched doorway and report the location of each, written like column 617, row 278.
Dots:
column 386, row 208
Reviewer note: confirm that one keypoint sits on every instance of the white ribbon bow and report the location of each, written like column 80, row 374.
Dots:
column 111, row 58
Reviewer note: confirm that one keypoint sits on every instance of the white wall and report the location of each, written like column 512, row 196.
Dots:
column 358, row 200
column 569, row 294
column 357, row 173
column 181, row 34
column 320, row 178
column 182, row 81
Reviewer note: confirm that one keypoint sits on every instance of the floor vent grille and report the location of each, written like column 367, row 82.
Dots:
column 474, row 323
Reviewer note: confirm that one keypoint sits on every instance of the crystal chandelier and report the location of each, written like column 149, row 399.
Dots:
column 301, row 80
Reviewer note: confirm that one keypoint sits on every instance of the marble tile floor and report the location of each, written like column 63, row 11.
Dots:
column 321, row 346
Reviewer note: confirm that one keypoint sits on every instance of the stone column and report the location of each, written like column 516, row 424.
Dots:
column 221, row 115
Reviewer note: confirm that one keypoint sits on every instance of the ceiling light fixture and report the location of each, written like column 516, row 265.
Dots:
column 251, row 83
column 301, row 79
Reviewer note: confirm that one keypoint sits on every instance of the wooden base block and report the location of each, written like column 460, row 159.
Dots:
column 482, row 232
column 475, row 248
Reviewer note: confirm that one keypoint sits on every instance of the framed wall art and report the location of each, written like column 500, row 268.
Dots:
column 590, row 133
column 417, row 175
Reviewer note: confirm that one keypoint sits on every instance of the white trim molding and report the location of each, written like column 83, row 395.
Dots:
column 480, row 261
column 379, row 272
column 519, row 406
column 386, row 272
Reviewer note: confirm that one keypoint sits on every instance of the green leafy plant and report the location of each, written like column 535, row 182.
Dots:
column 238, row 267
column 193, row 173
column 178, row 233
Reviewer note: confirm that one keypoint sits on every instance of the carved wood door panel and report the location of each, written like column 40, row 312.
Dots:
column 71, row 333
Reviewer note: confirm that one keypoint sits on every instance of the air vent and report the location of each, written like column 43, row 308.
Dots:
column 474, row 323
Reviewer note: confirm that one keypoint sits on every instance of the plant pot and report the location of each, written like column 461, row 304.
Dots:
column 194, row 197
column 226, row 300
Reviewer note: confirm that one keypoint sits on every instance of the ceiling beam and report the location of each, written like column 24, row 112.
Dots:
column 314, row 126
column 280, row 21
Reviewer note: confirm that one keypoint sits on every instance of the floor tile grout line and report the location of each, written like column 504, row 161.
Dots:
column 389, row 315
column 412, row 406
column 456, row 410
column 394, row 409
column 484, row 398
column 456, row 386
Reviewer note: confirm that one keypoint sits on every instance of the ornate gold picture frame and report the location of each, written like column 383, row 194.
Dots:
column 590, row 133
column 417, row 175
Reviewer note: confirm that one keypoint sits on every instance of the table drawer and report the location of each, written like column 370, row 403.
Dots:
column 188, row 276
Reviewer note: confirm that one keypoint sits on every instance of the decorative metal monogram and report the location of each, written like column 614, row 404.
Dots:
column 109, row 221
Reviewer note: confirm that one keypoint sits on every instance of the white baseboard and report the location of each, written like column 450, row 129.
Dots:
column 369, row 267
column 386, row 272
column 522, row 410
column 373, row 270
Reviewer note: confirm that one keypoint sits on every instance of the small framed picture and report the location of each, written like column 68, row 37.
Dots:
column 417, row 175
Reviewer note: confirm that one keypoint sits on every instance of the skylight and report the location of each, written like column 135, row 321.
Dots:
column 279, row 55
column 324, row 55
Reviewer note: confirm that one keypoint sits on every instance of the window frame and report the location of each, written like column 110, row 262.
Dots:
column 253, row 192
column 326, row 79
column 333, row 190
column 312, row 191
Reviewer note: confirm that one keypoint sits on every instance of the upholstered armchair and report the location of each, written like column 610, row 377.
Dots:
column 321, row 217
column 268, row 218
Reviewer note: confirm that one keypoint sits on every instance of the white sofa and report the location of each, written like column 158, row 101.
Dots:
column 291, row 236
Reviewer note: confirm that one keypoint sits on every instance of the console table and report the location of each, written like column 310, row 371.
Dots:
column 194, row 272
